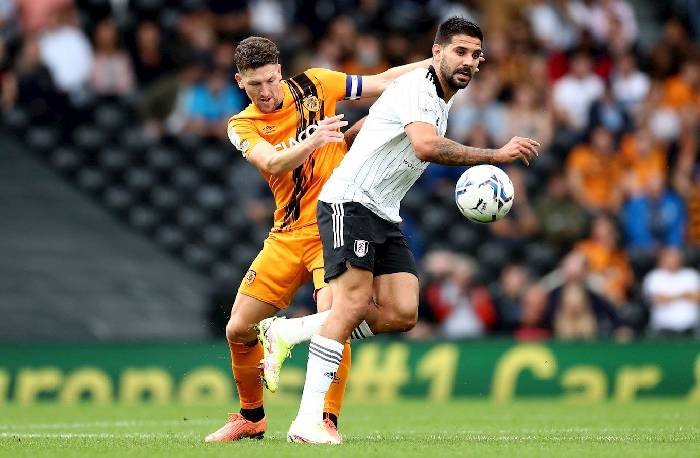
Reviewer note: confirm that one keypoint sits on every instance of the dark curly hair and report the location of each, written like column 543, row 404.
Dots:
column 255, row 52
column 457, row 25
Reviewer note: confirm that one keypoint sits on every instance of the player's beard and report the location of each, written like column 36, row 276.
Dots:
column 450, row 76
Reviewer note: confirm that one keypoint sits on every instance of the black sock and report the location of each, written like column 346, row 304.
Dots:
column 332, row 417
column 254, row 415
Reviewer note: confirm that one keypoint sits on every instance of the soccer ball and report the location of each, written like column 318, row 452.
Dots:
column 484, row 194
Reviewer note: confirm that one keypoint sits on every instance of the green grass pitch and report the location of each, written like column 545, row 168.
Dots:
column 417, row 428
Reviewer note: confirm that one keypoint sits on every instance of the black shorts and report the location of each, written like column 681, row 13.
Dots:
column 352, row 233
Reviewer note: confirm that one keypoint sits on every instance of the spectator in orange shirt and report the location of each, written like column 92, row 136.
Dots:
column 643, row 160
column 607, row 260
column 683, row 89
column 594, row 171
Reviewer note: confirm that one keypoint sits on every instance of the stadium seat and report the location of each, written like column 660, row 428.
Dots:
column 92, row 179
column 110, row 118
column 185, row 179
column 170, row 237
column 65, row 159
column 197, row 256
column 143, row 218
column 162, row 159
column 42, row 139
column 190, row 217
column 165, row 198
column 113, row 159
column 217, row 237
column 117, row 198
column 17, row 119
column 211, row 197
column 139, row 179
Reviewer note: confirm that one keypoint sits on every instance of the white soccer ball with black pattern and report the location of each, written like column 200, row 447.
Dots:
column 484, row 194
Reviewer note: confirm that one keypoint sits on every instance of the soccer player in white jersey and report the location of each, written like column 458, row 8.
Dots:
column 366, row 255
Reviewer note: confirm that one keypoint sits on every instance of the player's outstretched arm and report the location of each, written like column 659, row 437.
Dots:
column 431, row 147
column 374, row 85
column 266, row 158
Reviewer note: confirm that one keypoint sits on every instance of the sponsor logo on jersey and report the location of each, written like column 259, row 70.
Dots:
column 249, row 277
column 311, row 103
column 295, row 141
column 269, row 129
column 361, row 247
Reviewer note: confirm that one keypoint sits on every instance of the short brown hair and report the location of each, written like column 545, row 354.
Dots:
column 255, row 52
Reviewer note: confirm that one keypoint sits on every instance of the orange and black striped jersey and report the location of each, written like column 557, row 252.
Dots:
column 308, row 98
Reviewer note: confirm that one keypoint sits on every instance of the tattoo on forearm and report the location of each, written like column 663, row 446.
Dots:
column 452, row 153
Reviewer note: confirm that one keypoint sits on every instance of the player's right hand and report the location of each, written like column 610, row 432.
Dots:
column 521, row 148
column 328, row 132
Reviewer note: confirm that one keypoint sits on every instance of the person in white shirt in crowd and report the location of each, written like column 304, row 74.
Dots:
column 630, row 85
column 673, row 292
column 66, row 52
column 575, row 92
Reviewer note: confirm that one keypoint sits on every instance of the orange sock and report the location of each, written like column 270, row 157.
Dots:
column 336, row 393
column 245, row 360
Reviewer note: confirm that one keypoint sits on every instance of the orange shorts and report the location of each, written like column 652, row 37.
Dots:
column 287, row 260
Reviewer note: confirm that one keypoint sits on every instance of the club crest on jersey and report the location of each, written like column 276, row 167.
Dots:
column 249, row 277
column 361, row 247
column 311, row 103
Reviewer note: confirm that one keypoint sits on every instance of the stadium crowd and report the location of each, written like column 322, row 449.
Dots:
column 603, row 240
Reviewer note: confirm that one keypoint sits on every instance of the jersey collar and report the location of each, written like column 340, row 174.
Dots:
column 432, row 76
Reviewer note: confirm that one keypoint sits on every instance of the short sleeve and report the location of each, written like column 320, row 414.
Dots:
column 417, row 104
column 338, row 85
column 243, row 135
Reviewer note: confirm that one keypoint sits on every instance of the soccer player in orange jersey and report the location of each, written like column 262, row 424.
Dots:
column 290, row 133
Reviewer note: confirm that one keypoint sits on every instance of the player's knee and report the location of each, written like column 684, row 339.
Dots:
column 239, row 331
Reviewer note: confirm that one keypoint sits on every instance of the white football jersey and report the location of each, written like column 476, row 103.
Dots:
column 381, row 165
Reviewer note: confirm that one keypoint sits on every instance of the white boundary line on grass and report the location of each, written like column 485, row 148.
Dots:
column 24, row 435
column 105, row 424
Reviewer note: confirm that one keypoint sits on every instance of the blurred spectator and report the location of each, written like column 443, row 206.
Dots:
column 267, row 17
column 630, row 85
column 574, row 94
column 643, row 159
column 67, row 53
column 561, row 219
column 609, row 113
column 673, row 293
column 533, row 308
column 30, row 86
column 163, row 106
column 607, row 20
column 552, row 24
column 9, row 25
column 520, row 223
column 210, row 104
column 606, row 259
column 575, row 311
column 508, row 296
column 37, row 14
column 367, row 58
column 671, row 50
column 111, row 71
column 687, row 181
column 683, row 89
column 461, row 308
column 477, row 105
column 151, row 61
column 594, row 173
column 523, row 117
column 655, row 217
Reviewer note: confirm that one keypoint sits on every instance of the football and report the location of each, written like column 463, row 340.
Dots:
column 484, row 194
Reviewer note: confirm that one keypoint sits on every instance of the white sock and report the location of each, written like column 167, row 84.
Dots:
column 362, row 331
column 297, row 330
column 324, row 359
